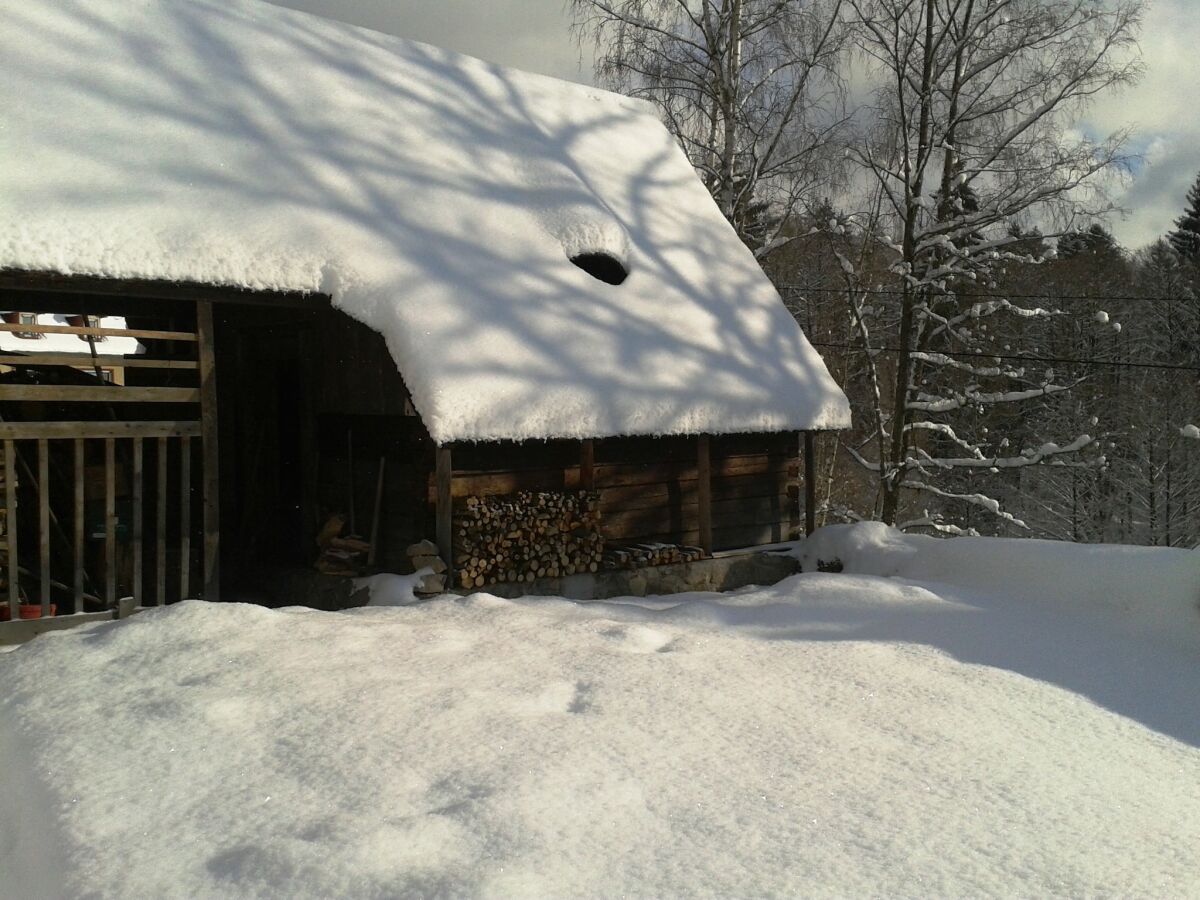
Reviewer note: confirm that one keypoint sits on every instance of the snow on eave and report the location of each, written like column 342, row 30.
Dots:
column 432, row 196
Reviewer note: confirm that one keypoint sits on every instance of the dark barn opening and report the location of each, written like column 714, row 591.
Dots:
column 602, row 267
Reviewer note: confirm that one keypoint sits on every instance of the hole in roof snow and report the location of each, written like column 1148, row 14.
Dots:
column 602, row 266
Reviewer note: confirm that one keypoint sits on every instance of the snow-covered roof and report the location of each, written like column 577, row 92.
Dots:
column 435, row 197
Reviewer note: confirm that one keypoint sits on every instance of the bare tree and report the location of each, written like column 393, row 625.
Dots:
column 751, row 88
column 971, row 130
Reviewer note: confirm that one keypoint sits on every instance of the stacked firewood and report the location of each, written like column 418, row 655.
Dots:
column 520, row 537
column 638, row 555
column 340, row 554
column 424, row 557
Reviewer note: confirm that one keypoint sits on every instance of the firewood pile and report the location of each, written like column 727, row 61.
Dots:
column 424, row 556
column 529, row 535
column 636, row 556
column 340, row 554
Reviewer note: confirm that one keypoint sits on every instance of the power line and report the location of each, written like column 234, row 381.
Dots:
column 1022, row 358
column 891, row 292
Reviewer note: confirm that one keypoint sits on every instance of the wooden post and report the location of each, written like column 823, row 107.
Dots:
column 138, row 520
column 10, row 501
column 704, row 492
column 160, row 527
column 211, row 581
column 587, row 465
column 185, row 518
column 80, row 526
column 444, row 471
column 810, row 484
column 110, row 523
column 371, row 554
column 44, row 523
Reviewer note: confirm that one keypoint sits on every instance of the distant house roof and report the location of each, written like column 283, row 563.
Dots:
column 18, row 342
column 435, row 197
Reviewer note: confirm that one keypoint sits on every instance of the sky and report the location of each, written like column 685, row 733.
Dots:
column 535, row 35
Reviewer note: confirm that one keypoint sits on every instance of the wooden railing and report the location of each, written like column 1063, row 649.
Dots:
column 172, row 442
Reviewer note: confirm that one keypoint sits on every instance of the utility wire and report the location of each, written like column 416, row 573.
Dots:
column 891, row 292
column 1022, row 358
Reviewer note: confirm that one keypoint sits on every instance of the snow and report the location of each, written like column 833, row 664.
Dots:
column 834, row 735
column 1152, row 590
column 11, row 342
column 435, row 197
column 387, row 589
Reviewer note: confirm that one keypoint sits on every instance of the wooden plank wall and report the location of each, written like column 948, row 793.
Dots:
column 649, row 487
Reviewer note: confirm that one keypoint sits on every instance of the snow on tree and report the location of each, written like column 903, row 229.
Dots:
column 751, row 89
column 1185, row 239
column 972, row 131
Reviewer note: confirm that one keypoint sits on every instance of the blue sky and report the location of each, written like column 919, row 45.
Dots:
column 1163, row 108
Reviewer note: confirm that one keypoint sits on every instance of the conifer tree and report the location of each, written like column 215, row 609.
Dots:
column 1185, row 239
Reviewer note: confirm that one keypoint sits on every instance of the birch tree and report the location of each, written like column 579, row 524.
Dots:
column 972, row 130
column 751, row 89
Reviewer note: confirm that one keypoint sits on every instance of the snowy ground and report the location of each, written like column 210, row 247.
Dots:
column 836, row 734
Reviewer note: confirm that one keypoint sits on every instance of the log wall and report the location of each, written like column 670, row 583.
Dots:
column 648, row 487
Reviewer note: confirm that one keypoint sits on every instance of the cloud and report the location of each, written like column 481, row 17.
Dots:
column 1161, row 109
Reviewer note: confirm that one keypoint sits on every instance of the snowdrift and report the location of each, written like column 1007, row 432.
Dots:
column 836, row 735
column 1157, row 588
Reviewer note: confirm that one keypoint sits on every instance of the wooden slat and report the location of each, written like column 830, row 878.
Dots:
column 44, row 523
column 138, row 519
column 734, row 487
column 96, row 430
column 210, row 449
column 10, row 502
column 444, row 472
column 587, row 465
column 80, row 526
column 611, row 476
column 810, row 484
column 75, row 393
column 160, row 527
column 756, row 511
column 56, row 282
column 99, row 332
column 86, row 359
column 185, row 517
column 110, row 522
column 704, row 493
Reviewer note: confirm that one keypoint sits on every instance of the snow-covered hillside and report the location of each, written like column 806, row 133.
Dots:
column 836, row 734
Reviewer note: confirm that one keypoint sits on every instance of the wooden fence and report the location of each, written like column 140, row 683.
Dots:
column 51, row 459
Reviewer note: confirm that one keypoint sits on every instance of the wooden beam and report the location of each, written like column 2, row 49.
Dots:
column 44, row 523
column 139, row 500
column 86, row 359
column 110, row 522
column 444, row 474
column 160, row 527
column 704, row 492
column 185, row 518
column 80, row 524
column 55, row 282
column 18, row 431
column 210, row 448
column 83, row 330
column 10, row 527
column 810, row 483
column 587, row 465
column 75, row 393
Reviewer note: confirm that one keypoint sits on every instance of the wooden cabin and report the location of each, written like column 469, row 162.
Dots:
column 456, row 293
